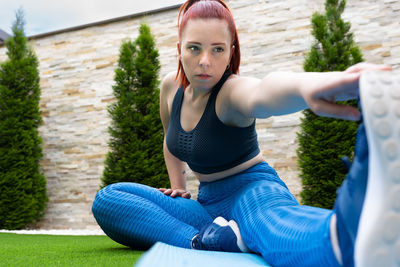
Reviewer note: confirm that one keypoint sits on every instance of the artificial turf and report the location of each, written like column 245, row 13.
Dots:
column 51, row 250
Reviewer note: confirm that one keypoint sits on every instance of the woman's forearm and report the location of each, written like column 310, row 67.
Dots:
column 279, row 93
column 176, row 169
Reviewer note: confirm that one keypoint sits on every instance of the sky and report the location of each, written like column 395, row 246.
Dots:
column 42, row 16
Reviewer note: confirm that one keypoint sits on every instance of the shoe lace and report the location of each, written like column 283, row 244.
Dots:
column 195, row 243
column 206, row 239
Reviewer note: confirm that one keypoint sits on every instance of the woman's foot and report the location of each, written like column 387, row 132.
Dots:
column 368, row 202
column 220, row 235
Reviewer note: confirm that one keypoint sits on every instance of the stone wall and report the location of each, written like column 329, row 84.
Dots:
column 77, row 70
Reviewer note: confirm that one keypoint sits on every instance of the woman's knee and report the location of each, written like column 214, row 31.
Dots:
column 265, row 194
column 110, row 194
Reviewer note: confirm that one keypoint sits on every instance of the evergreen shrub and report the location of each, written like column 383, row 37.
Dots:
column 324, row 141
column 136, row 144
column 22, row 185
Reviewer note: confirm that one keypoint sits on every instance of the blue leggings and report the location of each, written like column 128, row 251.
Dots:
column 271, row 221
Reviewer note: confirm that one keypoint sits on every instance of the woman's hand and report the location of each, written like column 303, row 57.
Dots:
column 175, row 192
column 321, row 92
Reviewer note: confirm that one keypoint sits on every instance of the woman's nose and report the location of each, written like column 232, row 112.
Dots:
column 205, row 59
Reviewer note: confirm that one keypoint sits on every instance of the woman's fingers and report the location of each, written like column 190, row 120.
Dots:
column 175, row 192
column 166, row 191
column 340, row 87
column 186, row 195
column 178, row 193
column 332, row 87
column 364, row 66
column 333, row 110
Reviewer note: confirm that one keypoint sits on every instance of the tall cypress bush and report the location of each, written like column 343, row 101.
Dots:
column 324, row 141
column 136, row 144
column 22, row 185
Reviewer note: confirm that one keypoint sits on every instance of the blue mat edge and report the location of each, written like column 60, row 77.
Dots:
column 161, row 254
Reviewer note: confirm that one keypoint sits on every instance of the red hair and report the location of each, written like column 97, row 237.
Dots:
column 208, row 9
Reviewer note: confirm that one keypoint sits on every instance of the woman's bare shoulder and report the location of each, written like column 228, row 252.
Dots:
column 169, row 83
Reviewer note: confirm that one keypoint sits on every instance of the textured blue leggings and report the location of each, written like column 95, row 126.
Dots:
column 270, row 219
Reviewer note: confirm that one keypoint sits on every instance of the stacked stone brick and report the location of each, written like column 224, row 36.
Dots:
column 77, row 70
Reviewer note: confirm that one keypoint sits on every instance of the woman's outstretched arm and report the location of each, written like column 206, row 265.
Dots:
column 281, row 93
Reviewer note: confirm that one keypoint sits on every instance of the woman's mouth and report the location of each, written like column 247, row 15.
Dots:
column 203, row 76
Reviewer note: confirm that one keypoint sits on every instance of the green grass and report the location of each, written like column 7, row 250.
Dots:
column 50, row 250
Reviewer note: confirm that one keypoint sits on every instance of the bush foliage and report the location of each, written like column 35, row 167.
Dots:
column 324, row 141
column 136, row 144
column 22, row 185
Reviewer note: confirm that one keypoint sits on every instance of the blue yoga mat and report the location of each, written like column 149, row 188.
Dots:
column 165, row 255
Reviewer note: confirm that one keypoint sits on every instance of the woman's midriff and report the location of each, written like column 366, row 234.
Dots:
column 237, row 169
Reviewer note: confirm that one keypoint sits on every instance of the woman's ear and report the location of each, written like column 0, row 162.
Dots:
column 232, row 52
column 178, row 47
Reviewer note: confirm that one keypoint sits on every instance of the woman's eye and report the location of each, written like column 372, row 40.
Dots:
column 219, row 49
column 194, row 48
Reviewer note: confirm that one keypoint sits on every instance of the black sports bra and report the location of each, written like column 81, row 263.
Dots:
column 211, row 146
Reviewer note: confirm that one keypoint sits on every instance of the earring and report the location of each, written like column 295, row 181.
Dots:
column 227, row 67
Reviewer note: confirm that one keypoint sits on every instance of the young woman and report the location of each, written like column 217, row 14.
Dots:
column 208, row 112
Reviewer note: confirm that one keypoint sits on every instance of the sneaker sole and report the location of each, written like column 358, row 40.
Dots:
column 235, row 228
column 240, row 243
column 221, row 221
column 378, row 238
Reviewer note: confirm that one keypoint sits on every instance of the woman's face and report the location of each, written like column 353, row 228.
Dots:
column 205, row 51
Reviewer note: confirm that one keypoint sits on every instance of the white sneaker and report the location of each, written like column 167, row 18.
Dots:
column 378, row 237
